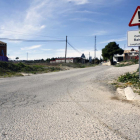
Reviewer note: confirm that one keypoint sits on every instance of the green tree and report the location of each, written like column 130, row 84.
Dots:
column 83, row 56
column 111, row 49
column 48, row 60
column 100, row 60
column 96, row 61
column 17, row 58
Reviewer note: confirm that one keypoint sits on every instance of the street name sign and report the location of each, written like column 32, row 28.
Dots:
column 135, row 20
column 133, row 38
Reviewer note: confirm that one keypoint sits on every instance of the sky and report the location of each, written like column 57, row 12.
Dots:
column 48, row 22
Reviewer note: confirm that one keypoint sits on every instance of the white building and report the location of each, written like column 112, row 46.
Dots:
column 68, row 60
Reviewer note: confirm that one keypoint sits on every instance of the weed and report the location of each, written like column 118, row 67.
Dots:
column 130, row 78
column 127, row 63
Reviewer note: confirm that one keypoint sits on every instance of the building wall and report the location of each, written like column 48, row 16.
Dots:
column 69, row 60
column 115, row 59
column 108, row 63
column 129, row 57
column 63, row 60
column 3, row 49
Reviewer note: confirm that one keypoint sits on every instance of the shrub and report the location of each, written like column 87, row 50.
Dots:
column 128, row 77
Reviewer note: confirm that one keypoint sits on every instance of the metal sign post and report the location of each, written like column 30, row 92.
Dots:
column 139, row 56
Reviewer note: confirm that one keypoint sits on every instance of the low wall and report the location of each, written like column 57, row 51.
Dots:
column 106, row 63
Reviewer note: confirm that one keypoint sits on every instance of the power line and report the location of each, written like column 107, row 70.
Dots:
column 25, row 40
column 74, row 48
column 66, row 49
column 95, row 49
column 99, row 35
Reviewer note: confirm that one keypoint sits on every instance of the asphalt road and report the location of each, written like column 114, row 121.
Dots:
column 67, row 105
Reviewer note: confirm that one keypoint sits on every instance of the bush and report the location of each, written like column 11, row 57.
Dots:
column 127, row 63
column 128, row 77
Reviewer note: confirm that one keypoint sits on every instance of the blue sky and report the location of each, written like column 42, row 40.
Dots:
column 80, row 20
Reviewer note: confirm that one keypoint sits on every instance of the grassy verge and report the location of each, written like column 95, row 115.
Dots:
column 9, row 69
column 126, row 63
column 129, row 79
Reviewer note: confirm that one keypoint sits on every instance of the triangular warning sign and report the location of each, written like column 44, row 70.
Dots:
column 135, row 21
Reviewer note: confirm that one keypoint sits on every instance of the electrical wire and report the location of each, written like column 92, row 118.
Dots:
column 25, row 40
column 99, row 35
column 74, row 48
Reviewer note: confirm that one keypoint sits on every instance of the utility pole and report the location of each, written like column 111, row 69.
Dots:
column 139, row 56
column 89, row 56
column 95, row 49
column 66, row 50
column 124, row 46
column 27, row 56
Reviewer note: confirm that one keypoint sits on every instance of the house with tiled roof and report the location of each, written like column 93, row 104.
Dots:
column 130, row 54
column 127, row 55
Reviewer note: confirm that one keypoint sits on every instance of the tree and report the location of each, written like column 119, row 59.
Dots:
column 83, row 56
column 96, row 61
column 17, row 58
column 48, row 60
column 100, row 60
column 111, row 49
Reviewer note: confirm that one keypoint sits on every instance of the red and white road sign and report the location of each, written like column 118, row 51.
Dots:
column 135, row 21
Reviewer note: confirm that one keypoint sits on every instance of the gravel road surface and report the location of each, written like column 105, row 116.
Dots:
column 67, row 105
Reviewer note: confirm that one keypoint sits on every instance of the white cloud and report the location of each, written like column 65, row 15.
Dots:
column 29, row 21
column 73, row 53
column 129, row 48
column 87, row 20
column 42, row 27
column 31, row 48
column 78, row 2
column 89, row 12
column 46, row 49
column 60, row 50
column 83, row 19
column 96, row 3
column 98, row 53
column 111, row 40
column 100, row 32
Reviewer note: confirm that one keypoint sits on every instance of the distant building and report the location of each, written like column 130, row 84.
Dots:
column 83, row 58
column 127, row 55
column 118, row 57
column 68, row 60
column 90, row 59
column 130, row 54
column 3, row 51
